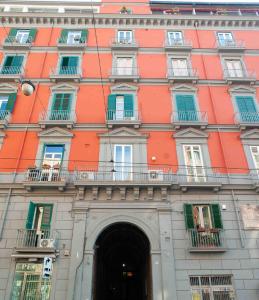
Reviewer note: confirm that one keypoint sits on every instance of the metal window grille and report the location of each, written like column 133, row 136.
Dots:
column 212, row 287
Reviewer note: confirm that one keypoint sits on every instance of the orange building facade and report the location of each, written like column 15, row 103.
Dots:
column 131, row 172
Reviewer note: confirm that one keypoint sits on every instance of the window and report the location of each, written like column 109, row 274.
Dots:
column 216, row 287
column 204, row 225
column 61, row 107
column 255, row 155
column 73, row 37
column 7, row 104
column 186, row 108
column 247, row 109
column 122, row 162
column 21, row 36
column 69, row 65
column 120, row 107
column 194, row 163
column 175, row 38
column 125, row 37
column 29, row 284
column 124, row 65
column 51, row 162
column 234, row 68
column 12, row 64
column 225, row 39
column 180, row 66
column 39, row 217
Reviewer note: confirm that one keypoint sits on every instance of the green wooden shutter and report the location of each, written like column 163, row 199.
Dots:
column 46, row 216
column 73, row 61
column 246, row 107
column 17, row 61
column 57, row 102
column 64, row 35
column 128, row 106
column 188, row 215
column 216, row 215
column 186, row 108
column 66, row 102
column 11, row 36
column 111, row 106
column 84, row 36
column 8, row 61
column 32, row 34
column 11, row 102
column 30, row 216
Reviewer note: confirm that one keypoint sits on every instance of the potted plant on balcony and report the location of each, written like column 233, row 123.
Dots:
column 125, row 10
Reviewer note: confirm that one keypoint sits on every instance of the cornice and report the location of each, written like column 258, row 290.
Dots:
column 115, row 20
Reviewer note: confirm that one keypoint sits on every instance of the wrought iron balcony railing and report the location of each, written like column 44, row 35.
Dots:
column 124, row 43
column 247, row 118
column 67, row 43
column 65, row 73
column 10, row 70
column 189, row 117
column 230, row 44
column 206, row 239
column 48, row 174
column 4, row 115
column 13, row 41
column 239, row 75
column 40, row 240
column 178, row 44
column 186, row 74
column 122, row 115
column 124, row 72
column 58, row 115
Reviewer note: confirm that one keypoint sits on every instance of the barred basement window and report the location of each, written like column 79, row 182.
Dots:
column 212, row 287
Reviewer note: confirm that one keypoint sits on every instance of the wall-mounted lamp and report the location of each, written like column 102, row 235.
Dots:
column 153, row 158
column 27, row 87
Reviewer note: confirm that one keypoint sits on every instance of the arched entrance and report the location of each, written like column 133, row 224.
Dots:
column 122, row 264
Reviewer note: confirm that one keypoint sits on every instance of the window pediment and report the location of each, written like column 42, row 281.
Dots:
column 183, row 88
column 124, row 132
column 123, row 88
column 64, row 87
column 190, row 133
column 55, row 133
column 8, row 88
column 241, row 90
column 250, row 135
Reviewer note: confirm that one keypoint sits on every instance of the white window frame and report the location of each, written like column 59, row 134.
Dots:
column 256, row 164
column 24, row 36
column 124, row 71
column 181, row 72
column 235, row 73
column 125, row 40
column 3, row 98
column 175, row 41
column 193, row 173
column 201, row 215
column 123, row 164
column 71, row 37
column 224, row 41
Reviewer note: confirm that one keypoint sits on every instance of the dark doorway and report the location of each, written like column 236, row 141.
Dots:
column 122, row 264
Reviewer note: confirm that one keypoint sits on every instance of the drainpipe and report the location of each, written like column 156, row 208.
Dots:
column 238, row 218
column 7, row 203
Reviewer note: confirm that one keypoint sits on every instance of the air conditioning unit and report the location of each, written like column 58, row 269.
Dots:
column 86, row 175
column 155, row 175
column 47, row 243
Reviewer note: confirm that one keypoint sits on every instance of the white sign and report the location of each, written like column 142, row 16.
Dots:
column 47, row 267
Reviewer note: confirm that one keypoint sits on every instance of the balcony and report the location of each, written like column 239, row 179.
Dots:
column 199, row 178
column 10, row 73
column 124, row 74
column 247, row 119
column 124, row 44
column 189, row 118
column 65, row 74
column 206, row 240
column 5, row 117
column 182, row 75
column 33, row 240
column 178, row 45
column 11, row 42
column 123, row 118
column 239, row 76
column 45, row 178
column 64, row 118
column 230, row 46
column 64, row 44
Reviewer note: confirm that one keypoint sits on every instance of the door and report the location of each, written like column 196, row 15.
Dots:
column 69, row 65
column 125, row 37
column 225, row 39
column 51, row 164
column 247, row 109
column 180, row 67
column 124, row 66
column 12, row 64
column 175, row 38
column 73, row 37
column 119, row 108
column 234, row 68
column 3, row 104
column 122, row 162
column 194, row 163
column 22, row 36
column 186, row 109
